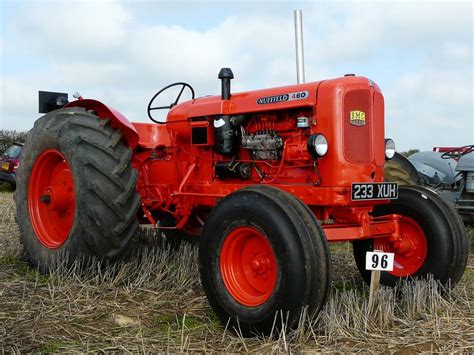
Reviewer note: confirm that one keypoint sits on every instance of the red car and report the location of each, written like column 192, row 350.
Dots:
column 9, row 162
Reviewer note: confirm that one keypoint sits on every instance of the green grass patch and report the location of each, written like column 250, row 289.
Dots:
column 9, row 260
column 340, row 247
column 20, row 269
column 174, row 323
column 56, row 346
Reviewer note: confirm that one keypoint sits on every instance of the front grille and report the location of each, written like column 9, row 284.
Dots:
column 358, row 126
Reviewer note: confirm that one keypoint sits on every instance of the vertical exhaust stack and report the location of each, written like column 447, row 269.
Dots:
column 225, row 75
column 299, row 46
column 224, row 131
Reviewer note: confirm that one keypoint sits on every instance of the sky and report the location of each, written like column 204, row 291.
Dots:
column 121, row 52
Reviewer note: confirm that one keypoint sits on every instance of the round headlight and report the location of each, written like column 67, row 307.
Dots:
column 317, row 145
column 389, row 148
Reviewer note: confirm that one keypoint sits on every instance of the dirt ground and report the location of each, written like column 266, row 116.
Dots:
column 156, row 303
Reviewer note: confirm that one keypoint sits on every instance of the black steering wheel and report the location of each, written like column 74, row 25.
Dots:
column 171, row 105
column 457, row 152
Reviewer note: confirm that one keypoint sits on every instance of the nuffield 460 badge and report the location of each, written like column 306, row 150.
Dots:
column 357, row 118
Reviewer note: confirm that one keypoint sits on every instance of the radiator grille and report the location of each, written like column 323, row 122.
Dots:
column 357, row 135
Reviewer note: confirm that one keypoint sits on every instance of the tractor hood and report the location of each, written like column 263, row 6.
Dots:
column 251, row 101
column 278, row 98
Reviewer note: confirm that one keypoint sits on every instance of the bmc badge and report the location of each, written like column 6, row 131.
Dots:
column 283, row 97
column 357, row 118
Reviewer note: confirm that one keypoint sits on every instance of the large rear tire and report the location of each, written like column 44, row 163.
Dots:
column 76, row 192
column 400, row 169
column 262, row 252
column 434, row 240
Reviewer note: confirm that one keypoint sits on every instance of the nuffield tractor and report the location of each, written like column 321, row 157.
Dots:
column 264, row 178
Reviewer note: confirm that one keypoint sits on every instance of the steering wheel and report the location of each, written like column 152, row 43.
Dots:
column 171, row 105
column 457, row 152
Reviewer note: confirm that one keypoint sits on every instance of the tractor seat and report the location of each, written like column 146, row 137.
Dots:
column 152, row 135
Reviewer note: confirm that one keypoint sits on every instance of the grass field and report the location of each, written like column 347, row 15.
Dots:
column 156, row 303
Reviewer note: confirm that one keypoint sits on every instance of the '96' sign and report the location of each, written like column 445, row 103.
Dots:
column 378, row 260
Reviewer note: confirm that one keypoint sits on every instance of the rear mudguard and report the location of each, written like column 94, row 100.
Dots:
column 117, row 120
column 430, row 163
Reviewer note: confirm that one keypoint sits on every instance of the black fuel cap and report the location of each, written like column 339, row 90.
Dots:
column 349, row 74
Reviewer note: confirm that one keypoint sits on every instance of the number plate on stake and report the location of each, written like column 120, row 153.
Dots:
column 374, row 191
column 378, row 260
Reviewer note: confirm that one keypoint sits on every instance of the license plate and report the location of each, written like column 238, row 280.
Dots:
column 374, row 191
column 5, row 166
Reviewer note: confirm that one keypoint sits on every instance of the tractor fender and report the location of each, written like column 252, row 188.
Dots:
column 428, row 161
column 433, row 176
column 117, row 120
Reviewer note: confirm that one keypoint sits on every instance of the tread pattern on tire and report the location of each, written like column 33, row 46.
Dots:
column 318, row 246
column 106, row 199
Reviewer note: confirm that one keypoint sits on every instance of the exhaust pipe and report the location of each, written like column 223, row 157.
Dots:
column 299, row 46
column 225, row 75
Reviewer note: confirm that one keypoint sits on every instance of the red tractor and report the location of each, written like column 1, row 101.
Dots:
column 264, row 178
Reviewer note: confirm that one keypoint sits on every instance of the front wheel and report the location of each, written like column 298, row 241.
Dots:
column 263, row 255
column 433, row 240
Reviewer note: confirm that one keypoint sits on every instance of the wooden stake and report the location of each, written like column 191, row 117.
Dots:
column 374, row 287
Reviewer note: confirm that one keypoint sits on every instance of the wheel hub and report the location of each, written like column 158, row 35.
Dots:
column 248, row 266
column 51, row 198
column 404, row 245
column 410, row 248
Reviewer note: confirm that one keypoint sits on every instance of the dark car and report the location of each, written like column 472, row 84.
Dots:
column 9, row 162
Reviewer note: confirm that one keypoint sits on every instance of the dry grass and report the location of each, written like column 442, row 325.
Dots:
column 155, row 303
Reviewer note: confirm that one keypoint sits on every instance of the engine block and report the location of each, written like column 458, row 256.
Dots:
column 264, row 145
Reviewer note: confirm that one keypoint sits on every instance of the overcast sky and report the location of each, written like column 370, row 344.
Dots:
column 121, row 52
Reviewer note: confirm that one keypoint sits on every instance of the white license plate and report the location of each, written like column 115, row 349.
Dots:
column 374, row 191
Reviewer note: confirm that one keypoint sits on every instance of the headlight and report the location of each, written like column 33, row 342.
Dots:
column 317, row 145
column 389, row 148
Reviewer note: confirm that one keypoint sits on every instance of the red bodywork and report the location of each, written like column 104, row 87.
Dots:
column 9, row 162
column 177, row 175
column 450, row 149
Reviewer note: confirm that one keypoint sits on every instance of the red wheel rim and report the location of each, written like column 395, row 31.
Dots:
column 410, row 250
column 51, row 198
column 248, row 266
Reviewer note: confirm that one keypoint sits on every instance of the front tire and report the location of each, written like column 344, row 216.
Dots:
column 434, row 241
column 76, row 192
column 261, row 252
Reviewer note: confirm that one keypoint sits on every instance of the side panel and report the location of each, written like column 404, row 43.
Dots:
column 118, row 121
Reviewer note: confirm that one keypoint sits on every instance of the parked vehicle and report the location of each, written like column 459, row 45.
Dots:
column 9, row 163
column 449, row 171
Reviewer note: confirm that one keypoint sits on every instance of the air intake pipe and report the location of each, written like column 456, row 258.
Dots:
column 226, row 76
column 225, row 132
